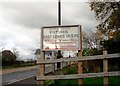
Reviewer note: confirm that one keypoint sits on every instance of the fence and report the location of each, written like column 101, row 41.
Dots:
column 104, row 74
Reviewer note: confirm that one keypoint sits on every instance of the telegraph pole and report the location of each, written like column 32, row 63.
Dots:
column 59, row 12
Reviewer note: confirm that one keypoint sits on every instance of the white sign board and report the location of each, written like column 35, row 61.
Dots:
column 61, row 38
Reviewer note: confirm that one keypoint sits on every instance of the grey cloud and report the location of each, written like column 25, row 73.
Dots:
column 35, row 15
column 79, row 13
column 29, row 17
column 32, row 15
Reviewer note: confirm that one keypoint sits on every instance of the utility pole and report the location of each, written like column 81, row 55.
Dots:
column 59, row 12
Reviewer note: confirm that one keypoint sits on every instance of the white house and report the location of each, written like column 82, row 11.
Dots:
column 48, row 54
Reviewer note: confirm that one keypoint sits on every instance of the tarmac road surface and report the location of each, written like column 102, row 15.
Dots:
column 13, row 77
column 24, row 78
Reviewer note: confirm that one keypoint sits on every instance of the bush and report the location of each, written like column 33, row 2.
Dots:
column 8, row 58
column 112, row 45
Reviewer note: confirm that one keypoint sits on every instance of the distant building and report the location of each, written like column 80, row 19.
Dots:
column 48, row 54
column 37, row 54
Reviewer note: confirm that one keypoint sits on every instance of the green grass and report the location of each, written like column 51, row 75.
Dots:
column 114, row 81
column 17, row 66
column 93, row 81
column 66, row 82
column 48, row 82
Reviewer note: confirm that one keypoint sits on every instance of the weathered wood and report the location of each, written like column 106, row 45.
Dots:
column 80, row 57
column 80, row 68
column 41, row 69
column 78, row 76
column 105, row 74
column 49, row 61
column 116, row 55
column 84, row 58
column 105, row 68
column 61, row 26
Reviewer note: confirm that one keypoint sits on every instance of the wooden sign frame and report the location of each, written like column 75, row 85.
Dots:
column 48, row 37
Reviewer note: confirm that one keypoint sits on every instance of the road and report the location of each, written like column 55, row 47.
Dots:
column 26, row 78
column 21, row 75
column 26, row 82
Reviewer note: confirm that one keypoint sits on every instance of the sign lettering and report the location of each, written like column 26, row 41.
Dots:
column 61, row 38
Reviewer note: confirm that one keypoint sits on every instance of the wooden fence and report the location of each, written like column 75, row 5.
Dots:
column 104, row 74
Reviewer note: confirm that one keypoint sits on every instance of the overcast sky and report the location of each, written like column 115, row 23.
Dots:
column 20, row 22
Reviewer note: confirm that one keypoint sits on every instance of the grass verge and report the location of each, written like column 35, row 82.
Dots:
column 113, row 81
column 17, row 66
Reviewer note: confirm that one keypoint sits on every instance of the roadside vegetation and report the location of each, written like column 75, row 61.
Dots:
column 114, row 80
column 18, row 64
column 9, row 60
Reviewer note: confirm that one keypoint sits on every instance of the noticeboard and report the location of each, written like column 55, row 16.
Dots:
column 61, row 37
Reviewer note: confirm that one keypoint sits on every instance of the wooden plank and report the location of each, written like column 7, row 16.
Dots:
column 49, row 61
column 116, row 55
column 116, row 73
column 61, row 26
column 105, row 68
column 84, row 58
column 78, row 76
column 96, row 57
column 41, row 69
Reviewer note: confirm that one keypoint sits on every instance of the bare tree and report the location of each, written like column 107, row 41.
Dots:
column 15, row 52
column 91, row 40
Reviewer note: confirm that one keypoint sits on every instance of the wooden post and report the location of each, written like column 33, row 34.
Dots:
column 80, row 56
column 105, row 68
column 80, row 68
column 53, row 65
column 41, row 69
column 61, row 64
